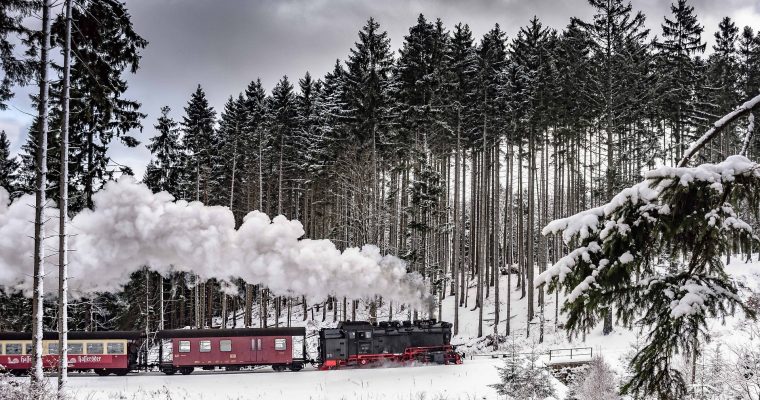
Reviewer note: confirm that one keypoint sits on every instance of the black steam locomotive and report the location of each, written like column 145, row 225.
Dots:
column 362, row 343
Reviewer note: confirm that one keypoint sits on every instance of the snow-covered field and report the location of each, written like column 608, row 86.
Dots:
column 466, row 381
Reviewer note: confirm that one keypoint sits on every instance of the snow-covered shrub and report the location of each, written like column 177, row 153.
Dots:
column 523, row 377
column 13, row 388
column 598, row 383
column 742, row 376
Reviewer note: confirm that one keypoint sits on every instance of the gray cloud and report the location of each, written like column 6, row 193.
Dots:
column 224, row 44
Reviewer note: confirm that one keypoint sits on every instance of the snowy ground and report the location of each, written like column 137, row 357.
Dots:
column 467, row 381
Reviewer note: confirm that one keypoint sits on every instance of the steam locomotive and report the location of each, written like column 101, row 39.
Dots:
column 183, row 350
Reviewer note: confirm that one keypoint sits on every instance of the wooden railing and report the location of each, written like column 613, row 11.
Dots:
column 565, row 354
column 586, row 352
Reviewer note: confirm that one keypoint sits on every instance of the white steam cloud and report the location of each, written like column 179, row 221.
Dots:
column 131, row 227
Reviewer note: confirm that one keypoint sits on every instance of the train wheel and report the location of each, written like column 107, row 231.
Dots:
column 295, row 367
column 121, row 372
column 169, row 371
column 102, row 371
column 186, row 370
column 278, row 368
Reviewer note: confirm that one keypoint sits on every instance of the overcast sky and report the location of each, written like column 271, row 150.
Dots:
column 224, row 44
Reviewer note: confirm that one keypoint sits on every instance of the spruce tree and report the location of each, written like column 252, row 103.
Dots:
column 14, row 70
column 105, row 47
column 749, row 63
column 522, row 376
column 231, row 152
column 681, row 40
column 8, row 166
column 255, row 142
column 163, row 171
column 724, row 67
column 283, row 121
column 367, row 84
column 200, row 143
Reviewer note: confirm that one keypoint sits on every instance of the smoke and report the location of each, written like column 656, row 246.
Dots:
column 130, row 228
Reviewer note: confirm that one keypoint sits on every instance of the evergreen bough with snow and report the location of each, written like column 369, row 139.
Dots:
column 654, row 253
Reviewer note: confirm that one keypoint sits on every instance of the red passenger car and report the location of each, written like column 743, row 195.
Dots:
column 103, row 352
column 282, row 348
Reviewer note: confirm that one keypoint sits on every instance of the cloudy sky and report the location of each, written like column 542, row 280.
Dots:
column 224, row 44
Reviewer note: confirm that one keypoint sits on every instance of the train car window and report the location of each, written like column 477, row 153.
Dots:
column 225, row 345
column 184, row 346
column 76, row 348
column 12, row 348
column 52, row 348
column 94, row 348
column 204, row 346
column 280, row 344
column 364, row 335
column 28, row 348
column 115, row 348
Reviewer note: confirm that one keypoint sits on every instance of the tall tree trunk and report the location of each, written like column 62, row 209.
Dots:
column 63, row 208
column 456, row 265
column 39, row 210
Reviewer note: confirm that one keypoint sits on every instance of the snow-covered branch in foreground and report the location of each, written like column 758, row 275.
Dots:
column 653, row 255
column 647, row 192
column 131, row 227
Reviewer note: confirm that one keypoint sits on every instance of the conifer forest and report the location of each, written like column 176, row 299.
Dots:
column 533, row 186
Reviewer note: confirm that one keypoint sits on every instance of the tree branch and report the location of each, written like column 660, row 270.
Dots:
column 718, row 126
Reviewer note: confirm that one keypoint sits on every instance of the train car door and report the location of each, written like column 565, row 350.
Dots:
column 256, row 350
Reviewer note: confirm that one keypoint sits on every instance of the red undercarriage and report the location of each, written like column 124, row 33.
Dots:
column 427, row 355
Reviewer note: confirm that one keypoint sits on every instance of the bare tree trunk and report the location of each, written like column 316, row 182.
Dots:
column 508, row 226
column 456, row 266
column 39, row 210
column 247, row 319
column 63, row 251
column 530, row 264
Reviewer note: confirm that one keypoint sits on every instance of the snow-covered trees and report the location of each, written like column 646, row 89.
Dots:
column 523, row 377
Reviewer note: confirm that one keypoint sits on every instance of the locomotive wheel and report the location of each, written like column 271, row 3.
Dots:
column 102, row 371
column 186, row 370
column 169, row 371
column 295, row 367
column 121, row 372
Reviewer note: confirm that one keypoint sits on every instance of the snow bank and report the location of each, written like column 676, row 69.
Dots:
column 131, row 227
